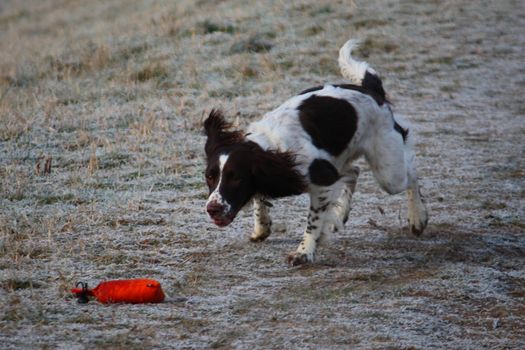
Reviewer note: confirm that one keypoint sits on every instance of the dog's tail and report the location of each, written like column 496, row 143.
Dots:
column 359, row 72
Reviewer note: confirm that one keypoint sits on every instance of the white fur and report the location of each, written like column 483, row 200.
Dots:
column 262, row 220
column 350, row 68
column 216, row 196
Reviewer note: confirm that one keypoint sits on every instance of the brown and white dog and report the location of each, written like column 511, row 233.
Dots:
column 308, row 145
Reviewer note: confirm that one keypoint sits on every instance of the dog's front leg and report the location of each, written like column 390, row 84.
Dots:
column 262, row 221
column 320, row 205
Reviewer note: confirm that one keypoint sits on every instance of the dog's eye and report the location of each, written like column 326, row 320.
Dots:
column 211, row 174
column 209, row 177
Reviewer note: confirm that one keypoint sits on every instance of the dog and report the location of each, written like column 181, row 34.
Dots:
column 308, row 145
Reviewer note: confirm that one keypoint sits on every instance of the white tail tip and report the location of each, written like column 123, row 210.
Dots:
column 351, row 69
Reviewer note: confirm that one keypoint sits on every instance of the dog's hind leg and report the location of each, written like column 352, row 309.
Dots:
column 344, row 202
column 343, row 191
column 386, row 156
column 392, row 160
column 417, row 211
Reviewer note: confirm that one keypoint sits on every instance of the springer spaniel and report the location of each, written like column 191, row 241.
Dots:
column 308, row 144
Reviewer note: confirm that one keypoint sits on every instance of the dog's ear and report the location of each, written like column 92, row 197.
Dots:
column 215, row 123
column 275, row 175
column 216, row 129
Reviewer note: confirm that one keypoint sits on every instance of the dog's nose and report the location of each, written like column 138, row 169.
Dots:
column 215, row 209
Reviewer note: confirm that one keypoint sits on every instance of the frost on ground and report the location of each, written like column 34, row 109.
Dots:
column 101, row 161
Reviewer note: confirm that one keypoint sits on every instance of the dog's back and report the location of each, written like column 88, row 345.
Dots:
column 328, row 121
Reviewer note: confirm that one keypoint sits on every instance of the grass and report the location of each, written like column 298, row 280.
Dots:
column 209, row 27
column 53, row 199
column 115, row 97
column 369, row 23
column 253, row 44
column 18, row 284
column 154, row 71
column 444, row 60
column 376, row 45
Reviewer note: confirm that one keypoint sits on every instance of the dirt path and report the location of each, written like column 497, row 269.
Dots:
column 112, row 96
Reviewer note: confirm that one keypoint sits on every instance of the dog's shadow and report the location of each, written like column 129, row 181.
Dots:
column 405, row 253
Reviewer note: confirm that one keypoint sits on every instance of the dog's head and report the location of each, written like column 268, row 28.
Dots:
column 237, row 169
column 228, row 172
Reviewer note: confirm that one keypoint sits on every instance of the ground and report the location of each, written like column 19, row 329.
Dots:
column 101, row 175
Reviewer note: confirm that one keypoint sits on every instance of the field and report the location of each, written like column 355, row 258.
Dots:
column 101, row 175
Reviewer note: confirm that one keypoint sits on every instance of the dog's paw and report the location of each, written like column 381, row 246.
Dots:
column 260, row 234
column 261, row 230
column 259, row 238
column 298, row 258
column 418, row 222
column 417, row 212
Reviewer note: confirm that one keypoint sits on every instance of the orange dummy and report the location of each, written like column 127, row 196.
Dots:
column 134, row 291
